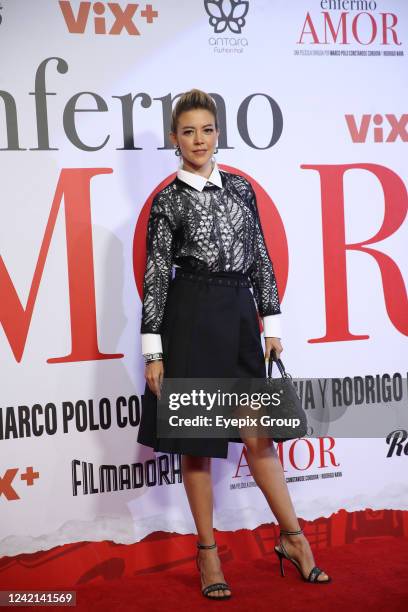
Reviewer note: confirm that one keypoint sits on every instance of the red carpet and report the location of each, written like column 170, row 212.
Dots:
column 365, row 552
column 367, row 575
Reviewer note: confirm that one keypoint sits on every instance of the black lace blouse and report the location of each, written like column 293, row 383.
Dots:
column 216, row 229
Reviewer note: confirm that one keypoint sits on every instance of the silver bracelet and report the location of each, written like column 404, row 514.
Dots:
column 148, row 357
column 155, row 359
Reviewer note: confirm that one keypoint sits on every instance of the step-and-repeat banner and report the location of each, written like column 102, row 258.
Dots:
column 312, row 98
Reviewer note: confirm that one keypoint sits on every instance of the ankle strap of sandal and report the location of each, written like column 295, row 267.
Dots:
column 206, row 546
column 298, row 532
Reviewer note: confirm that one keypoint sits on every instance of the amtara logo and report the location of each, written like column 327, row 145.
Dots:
column 226, row 14
column 6, row 481
column 123, row 17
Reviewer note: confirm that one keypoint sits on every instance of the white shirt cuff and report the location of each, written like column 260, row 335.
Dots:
column 151, row 343
column 272, row 325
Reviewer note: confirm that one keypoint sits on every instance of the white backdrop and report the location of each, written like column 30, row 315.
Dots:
column 273, row 51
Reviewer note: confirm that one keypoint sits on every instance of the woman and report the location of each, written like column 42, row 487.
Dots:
column 204, row 323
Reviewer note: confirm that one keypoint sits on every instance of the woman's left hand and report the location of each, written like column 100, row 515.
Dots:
column 273, row 344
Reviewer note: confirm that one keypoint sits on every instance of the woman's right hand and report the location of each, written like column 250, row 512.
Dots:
column 154, row 372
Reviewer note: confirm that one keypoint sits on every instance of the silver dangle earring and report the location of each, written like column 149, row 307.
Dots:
column 177, row 151
column 216, row 150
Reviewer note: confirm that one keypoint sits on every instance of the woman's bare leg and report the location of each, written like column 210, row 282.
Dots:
column 198, row 486
column 268, row 474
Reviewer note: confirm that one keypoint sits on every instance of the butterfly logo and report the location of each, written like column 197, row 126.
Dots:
column 227, row 14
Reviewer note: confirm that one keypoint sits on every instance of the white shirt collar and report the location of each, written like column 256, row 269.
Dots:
column 197, row 181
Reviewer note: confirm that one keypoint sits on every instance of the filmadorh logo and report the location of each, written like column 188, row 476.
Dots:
column 227, row 15
column 89, row 478
column 1, row 18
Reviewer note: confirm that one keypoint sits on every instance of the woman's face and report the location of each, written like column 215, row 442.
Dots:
column 196, row 136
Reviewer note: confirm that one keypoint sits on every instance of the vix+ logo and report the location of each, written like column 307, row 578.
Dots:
column 6, row 481
column 226, row 14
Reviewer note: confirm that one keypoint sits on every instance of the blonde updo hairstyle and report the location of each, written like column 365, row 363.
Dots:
column 195, row 98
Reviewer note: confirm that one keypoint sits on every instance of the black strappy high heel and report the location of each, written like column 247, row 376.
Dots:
column 217, row 586
column 283, row 554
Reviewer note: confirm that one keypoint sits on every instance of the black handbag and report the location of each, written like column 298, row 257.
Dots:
column 290, row 406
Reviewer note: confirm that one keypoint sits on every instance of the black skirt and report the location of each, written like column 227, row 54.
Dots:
column 210, row 330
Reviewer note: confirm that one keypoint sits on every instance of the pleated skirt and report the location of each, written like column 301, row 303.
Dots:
column 209, row 330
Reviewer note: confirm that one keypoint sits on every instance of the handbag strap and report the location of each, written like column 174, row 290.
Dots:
column 279, row 363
